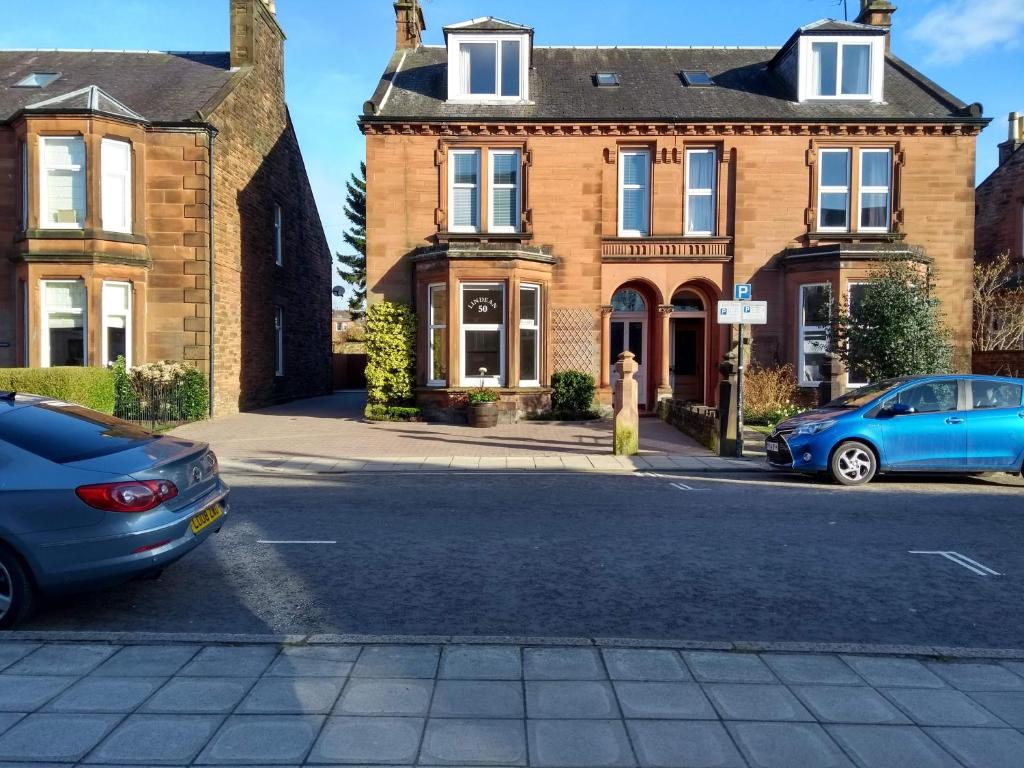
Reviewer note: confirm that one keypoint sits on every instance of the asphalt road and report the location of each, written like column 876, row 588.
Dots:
column 735, row 557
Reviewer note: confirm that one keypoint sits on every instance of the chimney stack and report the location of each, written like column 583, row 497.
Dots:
column 409, row 24
column 877, row 13
column 245, row 15
column 1015, row 137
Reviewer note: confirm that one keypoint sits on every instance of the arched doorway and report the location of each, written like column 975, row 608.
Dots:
column 630, row 329
column 688, row 344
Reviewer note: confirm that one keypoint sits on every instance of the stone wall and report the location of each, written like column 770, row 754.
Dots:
column 697, row 421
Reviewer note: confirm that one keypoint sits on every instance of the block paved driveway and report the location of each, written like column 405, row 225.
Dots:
column 502, row 705
column 333, row 428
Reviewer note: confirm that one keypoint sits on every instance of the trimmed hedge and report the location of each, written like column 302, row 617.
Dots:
column 391, row 413
column 573, row 392
column 91, row 387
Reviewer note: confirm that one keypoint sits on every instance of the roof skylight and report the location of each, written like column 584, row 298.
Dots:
column 606, row 79
column 697, row 77
column 37, row 80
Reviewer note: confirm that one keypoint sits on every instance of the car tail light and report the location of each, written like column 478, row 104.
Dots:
column 214, row 464
column 133, row 496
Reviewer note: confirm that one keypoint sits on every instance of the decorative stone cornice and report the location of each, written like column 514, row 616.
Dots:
column 649, row 130
column 458, row 251
column 650, row 249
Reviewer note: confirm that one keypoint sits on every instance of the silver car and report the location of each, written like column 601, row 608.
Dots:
column 88, row 500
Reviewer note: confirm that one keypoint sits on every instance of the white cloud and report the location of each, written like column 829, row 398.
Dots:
column 957, row 29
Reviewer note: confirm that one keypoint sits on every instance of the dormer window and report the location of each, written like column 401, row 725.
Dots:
column 490, row 69
column 488, row 61
column 841, row 69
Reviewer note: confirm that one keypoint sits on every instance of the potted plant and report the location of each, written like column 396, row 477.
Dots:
column 483, row 404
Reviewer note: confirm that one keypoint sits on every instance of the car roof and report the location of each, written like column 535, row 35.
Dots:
column 968, row 376
column 13, row 401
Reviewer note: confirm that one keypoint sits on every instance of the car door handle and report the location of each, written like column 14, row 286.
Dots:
column 954, row 420
column 1020, row 414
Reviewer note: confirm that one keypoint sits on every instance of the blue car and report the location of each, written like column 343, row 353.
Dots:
column 960, row 424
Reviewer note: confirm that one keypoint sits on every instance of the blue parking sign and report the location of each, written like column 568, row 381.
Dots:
column 742, row 292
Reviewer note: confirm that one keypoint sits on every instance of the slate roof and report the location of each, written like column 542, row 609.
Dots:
column 562, row 88
column 161, row 87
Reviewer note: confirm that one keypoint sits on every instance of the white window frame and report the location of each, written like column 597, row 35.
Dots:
column 847, row 190
column 468, row 378
column 458, row 88
column 123, row 179
column 431, row 327
column 712, row 192
column 24, row 185
column 623, row 232
column 850, row 383
column 44, row 206
column 278, row 239
column 46, row 311
column 802, row 330
column 492, row 185
column 876, row 67
column 278, row 341
column 125, row 313
column 863, row 190
column 452, row 186
column 528, row 324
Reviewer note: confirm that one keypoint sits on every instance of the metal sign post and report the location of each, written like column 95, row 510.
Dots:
column 741, row 312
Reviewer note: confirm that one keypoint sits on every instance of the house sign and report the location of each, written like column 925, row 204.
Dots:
column 483, row 305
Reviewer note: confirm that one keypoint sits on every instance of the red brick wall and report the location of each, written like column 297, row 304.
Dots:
column 1000, row 227
column 1007, row 363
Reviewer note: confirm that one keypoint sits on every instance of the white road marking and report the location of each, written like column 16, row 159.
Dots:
column 262, row 541
column 684, row 487
column 961, row 560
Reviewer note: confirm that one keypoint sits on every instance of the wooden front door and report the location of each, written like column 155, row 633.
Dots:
column 688, row 359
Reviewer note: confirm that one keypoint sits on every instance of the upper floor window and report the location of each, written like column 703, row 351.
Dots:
column 834, row 190
column 634, row 193
column 875, row 190
column 278, row 341
column 873, row 170
column 464, row 190
column 487, row 67
column 848, row 67
column 700, row 191
column 116, row 166
column 62, row 188
column 278, row 242
column 504, row 192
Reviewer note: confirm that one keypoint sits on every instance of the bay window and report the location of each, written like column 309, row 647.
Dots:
column 63, row 320
column 529, row 335
column 464, row 190
column 117, row 322
column 875, row 190
column 834, row 190
column 62, row 187
column 700, row 191
column 814, row 311
column 437, row 338
column 503, row 202
column 634, row 192
column 116, row 190
column 483, row 334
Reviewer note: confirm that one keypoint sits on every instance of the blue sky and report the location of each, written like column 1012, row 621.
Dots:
column 337, row 49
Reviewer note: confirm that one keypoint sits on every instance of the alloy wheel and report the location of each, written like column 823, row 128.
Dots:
column 854, row 463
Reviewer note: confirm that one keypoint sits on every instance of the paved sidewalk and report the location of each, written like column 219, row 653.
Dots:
column 501, row 705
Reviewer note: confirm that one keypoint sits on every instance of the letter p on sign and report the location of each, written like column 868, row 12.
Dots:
column 742, row 292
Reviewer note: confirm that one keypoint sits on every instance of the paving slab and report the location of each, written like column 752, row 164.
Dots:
column 230, row 661
column 62, row 659
column 377, row 740
column 574, row 699
column 474, row 742
column 718, row 667
column 849, row 704
column 315, row 661
column 641, row 664
column 8, row 719
column 744, row 701
column 481, row 663
column 978, row 677
column 787, row 745
column 156, row 740
column 292, row 696
column 1008, row 706
column 60, row 738
column 106, row 694
column 932, row 707
column 811, row 669
column 400, row 698
column 262, row 740
column 13, row 652
column 982, row 747
column 29, row 693
column 478, row 698
column 393, row 661
column 661, row 700
column 579, row 744
column 200, row 695
column 890, row 672
column 562, row 664
column 675, row 744
column 885, row 746
column 147, row 661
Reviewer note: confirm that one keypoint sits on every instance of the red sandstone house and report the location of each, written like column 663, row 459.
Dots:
column 156, row 206
column 545, row 208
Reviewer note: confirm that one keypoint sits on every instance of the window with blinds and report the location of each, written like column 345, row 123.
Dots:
column 63, row 315
column 634, row 192
column 116, row 192
column 700, row 191
column 464, row 190
column 62, row 183
column 504, row 199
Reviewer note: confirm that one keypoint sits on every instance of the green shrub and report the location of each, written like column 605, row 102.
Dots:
column 482, row 395
column 573, row 392
column 391, row 353
column 391, row 413
column 165, row 392
column 769, row 394
column 91, row 387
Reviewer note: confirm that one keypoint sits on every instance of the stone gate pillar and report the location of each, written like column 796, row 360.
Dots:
column 626, row 440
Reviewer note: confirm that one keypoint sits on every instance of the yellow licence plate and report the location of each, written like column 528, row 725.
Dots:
column 206, row 517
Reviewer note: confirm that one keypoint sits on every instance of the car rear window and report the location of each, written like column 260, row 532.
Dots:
column 995, row 394
column 64, row 433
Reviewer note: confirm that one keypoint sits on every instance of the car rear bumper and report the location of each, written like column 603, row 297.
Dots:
column 161, row 538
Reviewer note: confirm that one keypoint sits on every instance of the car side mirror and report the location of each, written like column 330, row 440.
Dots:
column 900, row 409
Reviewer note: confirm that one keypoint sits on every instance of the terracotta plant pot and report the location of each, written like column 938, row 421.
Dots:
column 483, row 414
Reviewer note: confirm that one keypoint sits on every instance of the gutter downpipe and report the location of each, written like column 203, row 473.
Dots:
column 212, row 132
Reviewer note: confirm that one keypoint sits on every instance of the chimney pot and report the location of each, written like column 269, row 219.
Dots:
column 1016, row 126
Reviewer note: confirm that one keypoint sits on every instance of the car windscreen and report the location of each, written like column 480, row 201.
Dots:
column 858, row 398
column 63, row 433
